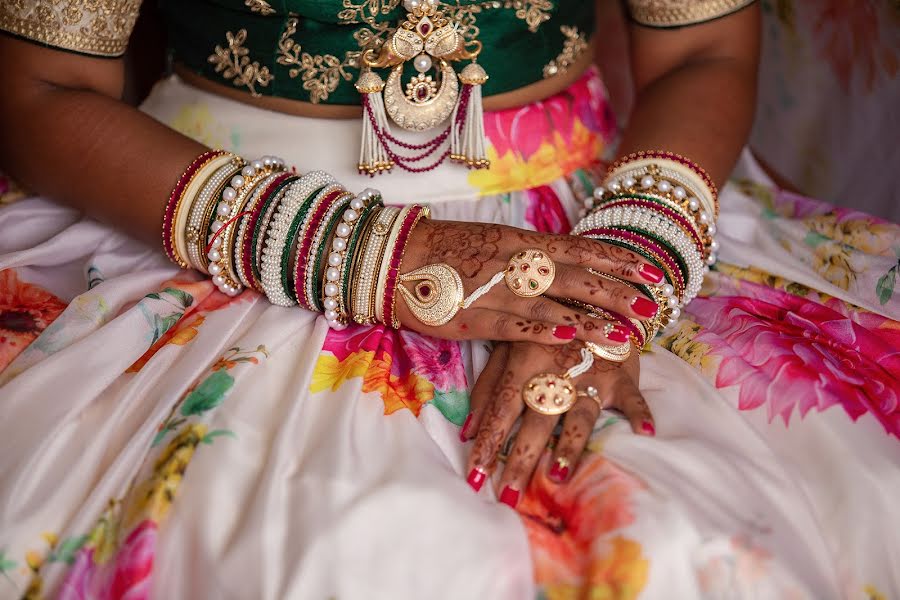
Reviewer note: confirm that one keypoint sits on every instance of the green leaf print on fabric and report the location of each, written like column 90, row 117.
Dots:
column 6, row 564
column 208, row 394
column 210, row 437
column 159, row 321
column 814, row 238
column 67, row 549
column 453, row 404
column 885, row 286
column 169, row 425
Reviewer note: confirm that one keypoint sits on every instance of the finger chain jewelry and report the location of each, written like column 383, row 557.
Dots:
column 438, row 293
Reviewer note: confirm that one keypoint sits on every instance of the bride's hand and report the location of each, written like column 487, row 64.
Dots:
column 497, row 403
column 479, row 251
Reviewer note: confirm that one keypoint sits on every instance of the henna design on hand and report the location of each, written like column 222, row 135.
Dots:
column 466, row 247
column 486, row 448
column 531, row 327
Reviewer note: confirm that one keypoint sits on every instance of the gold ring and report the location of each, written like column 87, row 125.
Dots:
column 530, row 273
column 592, row 393
column 617, row 354
column 549, row 394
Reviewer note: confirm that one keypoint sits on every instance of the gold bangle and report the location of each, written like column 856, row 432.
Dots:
column 372, row 256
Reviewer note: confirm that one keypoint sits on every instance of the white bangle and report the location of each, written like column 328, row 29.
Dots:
column 198, row 225
column 276, row 234
column 651, row 221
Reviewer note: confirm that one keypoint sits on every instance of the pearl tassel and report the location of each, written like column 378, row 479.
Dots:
column 373, row 156
column 467, row 140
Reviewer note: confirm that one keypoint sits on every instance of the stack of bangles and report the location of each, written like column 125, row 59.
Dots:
column 299, row 239
column 663, row 207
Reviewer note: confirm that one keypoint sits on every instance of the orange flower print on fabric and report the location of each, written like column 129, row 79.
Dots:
column 207, row 299
column 25, row 311
column 407, row 370
column 533, row 145
column 565, row 522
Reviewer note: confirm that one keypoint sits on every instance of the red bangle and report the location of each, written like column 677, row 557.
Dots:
column 247, row 255
column 686, row 225
column 306, row 244
column 412, row 218
column 175, row 198
column 642, row 242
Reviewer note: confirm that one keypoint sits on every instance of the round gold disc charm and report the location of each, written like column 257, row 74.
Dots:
column 549, row 394
column 530, row 273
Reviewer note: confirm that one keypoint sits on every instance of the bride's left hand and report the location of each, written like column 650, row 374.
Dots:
column 497, row 403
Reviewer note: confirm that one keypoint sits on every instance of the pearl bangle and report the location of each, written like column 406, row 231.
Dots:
column 332, row 291
column 277, row 232
column 244, row 275
column 642, row 218
column 202, row 210
column 234, row 196
column 366, row 275
column 675, row 162
column 266, row 213
column 324, row 207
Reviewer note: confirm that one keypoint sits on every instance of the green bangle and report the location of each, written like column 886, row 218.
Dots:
column 288, row 250
column 258, row 227
column 351, row 247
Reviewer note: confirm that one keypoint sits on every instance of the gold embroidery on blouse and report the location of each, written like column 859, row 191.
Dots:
column 98, row 27
column 677, row 13
column 574, row 45
column 533, row 12
column 236, row 65
column 260, row 6
column 320, row 73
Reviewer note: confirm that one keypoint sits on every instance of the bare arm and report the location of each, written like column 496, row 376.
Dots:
column 695, row 90
column 67, row 135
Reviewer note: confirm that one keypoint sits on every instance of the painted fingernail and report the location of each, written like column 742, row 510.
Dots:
column 462, row 432
column 476, row 478
column 644, row 307
column 560, row 470
column 651, row 273
column 564, row 332
column 648, row 428
column 616, row 333
column 509, row 496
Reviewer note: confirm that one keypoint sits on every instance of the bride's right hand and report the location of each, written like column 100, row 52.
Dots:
column 479, row 251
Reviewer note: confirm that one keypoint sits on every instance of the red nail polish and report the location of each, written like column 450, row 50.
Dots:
column 651, row 273
column 648, row 428
column 559, row 473
column 644, row 307
column 462, row 432
column 564, row 332
column 509, row 496
column 476, row 478
column 618, row 334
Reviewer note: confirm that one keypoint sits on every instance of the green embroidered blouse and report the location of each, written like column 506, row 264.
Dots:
column 309, row 50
